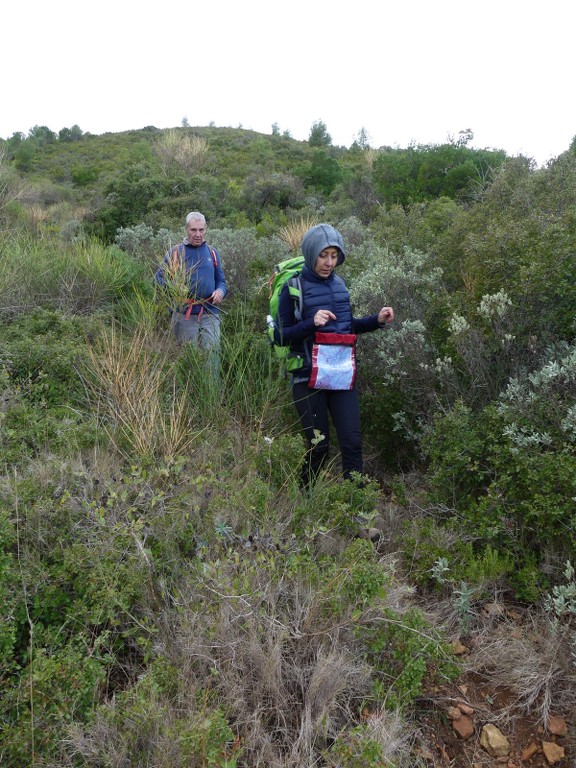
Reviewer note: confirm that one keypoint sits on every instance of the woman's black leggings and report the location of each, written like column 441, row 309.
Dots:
column 313, row 406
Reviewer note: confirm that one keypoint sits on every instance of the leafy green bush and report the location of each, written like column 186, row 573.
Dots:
column 248, row 260
column 40, row 353
column 278, row 460
column 44, row 400
column 406, row 652
column 341, row 506
column 8, row 597
column 58, row 687
column 358, row 747
column 511, row 469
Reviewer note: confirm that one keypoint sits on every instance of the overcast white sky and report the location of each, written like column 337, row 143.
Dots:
column 404, row 70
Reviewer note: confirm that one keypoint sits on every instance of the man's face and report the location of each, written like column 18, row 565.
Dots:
column 195, row 231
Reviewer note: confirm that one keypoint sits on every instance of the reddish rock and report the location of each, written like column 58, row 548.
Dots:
column 529, row 751
column 557, row 725
column 463, row 726
column 465, row 708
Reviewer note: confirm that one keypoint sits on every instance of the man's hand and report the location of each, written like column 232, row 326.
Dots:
column 216, row 296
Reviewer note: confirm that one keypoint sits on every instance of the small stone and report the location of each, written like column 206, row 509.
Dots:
column 529, row 751
column 466, row 708
column 557, row 725
column 493, row 741
column 454, row 713
column 463, row 726
column 552, row 751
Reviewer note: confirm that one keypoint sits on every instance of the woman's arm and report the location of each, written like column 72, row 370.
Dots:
column 288, row 328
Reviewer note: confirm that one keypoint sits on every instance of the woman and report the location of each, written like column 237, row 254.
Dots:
column 324, row 336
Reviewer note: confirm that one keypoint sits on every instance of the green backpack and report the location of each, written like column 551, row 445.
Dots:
column 287, row 271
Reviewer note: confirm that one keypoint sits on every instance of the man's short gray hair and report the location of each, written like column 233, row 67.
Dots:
column 195, row 216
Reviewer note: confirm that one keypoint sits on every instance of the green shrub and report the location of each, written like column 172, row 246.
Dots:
column 357, row 748
column 278, row 460
column 57, row 687
column 510, row 470
column 406, row 653
column 80, row 277
column 8, row 598
column 366, row 579
column 338, row 506
column 158, row 721
column 40, row 352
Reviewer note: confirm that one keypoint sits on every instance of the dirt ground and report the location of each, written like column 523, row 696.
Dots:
column 532, row 744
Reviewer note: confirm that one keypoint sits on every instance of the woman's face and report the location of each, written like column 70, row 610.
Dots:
column 326, row 261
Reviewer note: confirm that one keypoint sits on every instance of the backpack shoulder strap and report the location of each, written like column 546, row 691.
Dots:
column 177, row 254
column 295, row 291
column 214, row 257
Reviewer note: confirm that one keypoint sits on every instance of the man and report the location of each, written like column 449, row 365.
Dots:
column 194, row 268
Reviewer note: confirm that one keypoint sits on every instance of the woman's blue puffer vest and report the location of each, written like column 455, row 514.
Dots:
column 324, row 293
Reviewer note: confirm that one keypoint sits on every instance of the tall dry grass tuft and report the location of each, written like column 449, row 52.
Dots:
column 293, row 233
column 137, row 395
column 177, row 284
column 532, row 660
column 289, row 673
column 37, row 216
column 177, row 148
column 370, row 155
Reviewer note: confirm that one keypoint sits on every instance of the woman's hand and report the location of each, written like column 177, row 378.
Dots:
column 386, row 315
column 323, row 316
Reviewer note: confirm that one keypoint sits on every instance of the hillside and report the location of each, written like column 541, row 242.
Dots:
column 170, row 596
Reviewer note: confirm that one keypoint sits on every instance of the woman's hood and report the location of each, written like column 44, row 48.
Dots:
column 316, row 239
